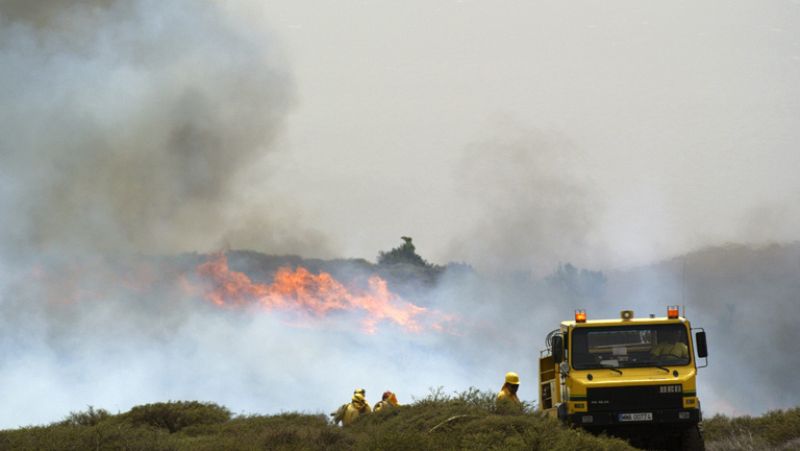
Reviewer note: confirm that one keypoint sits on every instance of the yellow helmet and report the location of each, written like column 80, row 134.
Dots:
column 360, row 390
column 358, row 398
column 512, row 378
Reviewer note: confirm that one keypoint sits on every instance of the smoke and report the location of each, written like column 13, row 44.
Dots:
column 769, row 222
column 530, row 201
column 135, row 126
column 131, row 128
column 114, row 333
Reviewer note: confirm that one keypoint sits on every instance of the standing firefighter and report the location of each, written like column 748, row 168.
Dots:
column 388, row 401
column 349, row 412
column 508, row 394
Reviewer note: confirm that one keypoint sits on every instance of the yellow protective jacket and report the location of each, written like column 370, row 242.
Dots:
column 385, row 404
column 348, row 413
column 677, row 350
column 506, row 395
column 381, row 405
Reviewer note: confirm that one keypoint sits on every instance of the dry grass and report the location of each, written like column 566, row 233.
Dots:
column 776, row 430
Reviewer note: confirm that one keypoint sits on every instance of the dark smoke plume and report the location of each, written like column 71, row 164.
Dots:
column 129, row 126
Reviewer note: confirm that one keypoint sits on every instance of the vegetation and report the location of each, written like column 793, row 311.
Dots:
column 174, row 416
column 466, row 421
column 405, row 254
column 778, row 429
column 469, row 421
column 403, row 268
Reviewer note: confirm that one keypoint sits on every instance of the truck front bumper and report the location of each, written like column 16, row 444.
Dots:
column 635, row 418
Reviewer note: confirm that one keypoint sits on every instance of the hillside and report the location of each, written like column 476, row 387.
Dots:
column 468, row 421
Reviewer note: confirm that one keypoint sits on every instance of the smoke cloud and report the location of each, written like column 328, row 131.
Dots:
column 133, row 126
column 530, row 200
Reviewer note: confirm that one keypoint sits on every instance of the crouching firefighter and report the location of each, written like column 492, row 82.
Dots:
column 388, row 401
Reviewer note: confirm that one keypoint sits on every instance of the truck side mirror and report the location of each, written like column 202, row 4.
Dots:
column 557, row 345
column 702, row 348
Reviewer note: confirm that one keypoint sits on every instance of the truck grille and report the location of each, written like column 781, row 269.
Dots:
column 634, row 398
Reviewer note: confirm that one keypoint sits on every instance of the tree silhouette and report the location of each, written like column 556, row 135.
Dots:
column 404, row 254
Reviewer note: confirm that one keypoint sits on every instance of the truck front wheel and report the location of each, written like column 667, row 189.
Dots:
column 692, row 439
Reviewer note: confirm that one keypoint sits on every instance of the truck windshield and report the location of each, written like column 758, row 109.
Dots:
column 629, row 346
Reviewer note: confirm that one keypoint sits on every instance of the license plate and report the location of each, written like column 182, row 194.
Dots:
column 643, row 416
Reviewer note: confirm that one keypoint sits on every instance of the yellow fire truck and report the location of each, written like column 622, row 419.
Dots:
column 630, row 377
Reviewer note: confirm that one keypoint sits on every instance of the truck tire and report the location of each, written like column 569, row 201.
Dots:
column 692, row 439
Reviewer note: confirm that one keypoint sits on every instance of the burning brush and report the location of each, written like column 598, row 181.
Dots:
column 317, row 295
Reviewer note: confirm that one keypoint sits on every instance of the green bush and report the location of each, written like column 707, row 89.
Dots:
column 775, row 428
column 291, row 431
column 103, row 436
column 174, row 416
column 780, row 426
column 88, row 418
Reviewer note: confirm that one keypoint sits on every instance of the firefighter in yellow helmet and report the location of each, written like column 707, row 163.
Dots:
column 349, row 412
column 388, row 401
column 671, row 346
column 508, row 393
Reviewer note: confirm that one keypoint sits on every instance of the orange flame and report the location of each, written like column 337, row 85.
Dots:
column 315, row 294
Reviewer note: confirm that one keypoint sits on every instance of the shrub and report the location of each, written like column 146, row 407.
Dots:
column 780, row 426
column 775, row 428
column 88, row 418
column 177, row 415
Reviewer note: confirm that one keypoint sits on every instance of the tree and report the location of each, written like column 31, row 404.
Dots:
column 404, row 254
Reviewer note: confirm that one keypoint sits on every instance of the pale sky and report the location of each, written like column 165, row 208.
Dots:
column 679, row 120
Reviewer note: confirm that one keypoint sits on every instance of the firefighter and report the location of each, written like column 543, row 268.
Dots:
column 388, row 400
column 348, row 413
column 509, row 391
column 671, row 347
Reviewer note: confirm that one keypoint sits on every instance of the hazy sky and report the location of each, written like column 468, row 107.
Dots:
column 677, row 120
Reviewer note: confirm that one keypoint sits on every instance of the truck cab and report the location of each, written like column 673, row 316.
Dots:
column 630, row 377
